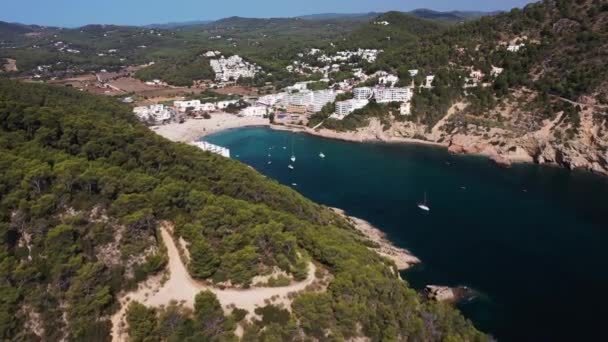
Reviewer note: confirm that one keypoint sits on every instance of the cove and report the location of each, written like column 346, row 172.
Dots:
column 531, row 240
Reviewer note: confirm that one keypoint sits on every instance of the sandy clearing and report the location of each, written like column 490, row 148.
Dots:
column 183, row 288
column 193, row 129
column 10, row 65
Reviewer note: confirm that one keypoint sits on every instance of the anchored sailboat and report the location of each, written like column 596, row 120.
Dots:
column 424, row 206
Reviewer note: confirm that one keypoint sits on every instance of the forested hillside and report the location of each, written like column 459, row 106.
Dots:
column 83, row 187
column 525, row 85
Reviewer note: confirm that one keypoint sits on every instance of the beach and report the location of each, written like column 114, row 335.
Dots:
column 193, row 129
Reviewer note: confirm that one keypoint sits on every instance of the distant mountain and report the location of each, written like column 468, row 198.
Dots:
column 326, row 16
column 8, row 31
column 454, row 16
column 176, row 25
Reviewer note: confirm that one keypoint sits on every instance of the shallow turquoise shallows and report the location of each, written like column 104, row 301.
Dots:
column 533, row 241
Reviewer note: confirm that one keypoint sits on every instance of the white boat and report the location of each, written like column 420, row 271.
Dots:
column 294, row 184
column 293, row 156
column 269, row 162
column 321, row 155
column 424, row 206
column 290, row 167
column 284, row 147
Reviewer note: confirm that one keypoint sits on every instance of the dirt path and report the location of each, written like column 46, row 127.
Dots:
column 182, row 288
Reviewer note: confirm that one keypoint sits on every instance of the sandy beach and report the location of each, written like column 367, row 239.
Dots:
column 193, row 129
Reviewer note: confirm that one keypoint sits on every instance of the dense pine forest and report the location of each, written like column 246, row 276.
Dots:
column 83, row 188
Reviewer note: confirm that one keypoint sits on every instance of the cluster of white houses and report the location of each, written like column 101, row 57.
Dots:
column 198, row 106
column 231, row 68
column 155, row 114
column 369, row 55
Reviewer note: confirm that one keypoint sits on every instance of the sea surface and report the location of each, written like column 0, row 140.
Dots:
column 531, row 240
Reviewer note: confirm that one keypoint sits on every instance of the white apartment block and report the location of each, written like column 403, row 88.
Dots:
column 344, row 108
column 314, row 101
column 386, row 95
column 363, row 93
column 302, row 98
column 320, row 98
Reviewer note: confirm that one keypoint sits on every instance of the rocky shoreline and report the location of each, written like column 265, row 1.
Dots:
column 503, row 151
column 402, row 258
column 585, row 153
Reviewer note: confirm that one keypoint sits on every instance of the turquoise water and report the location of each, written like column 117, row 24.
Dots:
column 531, row 240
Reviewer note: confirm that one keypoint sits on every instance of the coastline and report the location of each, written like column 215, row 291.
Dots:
column 194, row 129
column 355, row 136
column 402, row 258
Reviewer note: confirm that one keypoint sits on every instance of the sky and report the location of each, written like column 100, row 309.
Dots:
column 72, row 13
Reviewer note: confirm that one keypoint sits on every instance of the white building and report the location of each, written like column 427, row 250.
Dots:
column 388, row 80
column 302, row 98
column 386, row 95
column 413, row 72
column 406, row 108
column 343, row 108
column 300, row 86
column 205, row 146
column 320, row 98
column 182, row 106
column 225, row 104
column 272, row 99
column 155, row 113
column 254, row 112
column 496, row 71
column 428, row 84
column 515, row 47
column 363, row 93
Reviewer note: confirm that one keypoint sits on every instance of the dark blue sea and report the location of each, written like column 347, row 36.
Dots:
column 532, row 241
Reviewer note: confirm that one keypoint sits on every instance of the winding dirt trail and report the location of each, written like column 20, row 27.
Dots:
column 183, row 288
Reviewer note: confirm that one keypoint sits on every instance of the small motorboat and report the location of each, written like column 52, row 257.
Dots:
column 290, row 167
column 293, row 159
column 322, row 155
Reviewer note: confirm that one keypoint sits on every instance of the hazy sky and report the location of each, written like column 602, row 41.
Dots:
column 138, row 12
